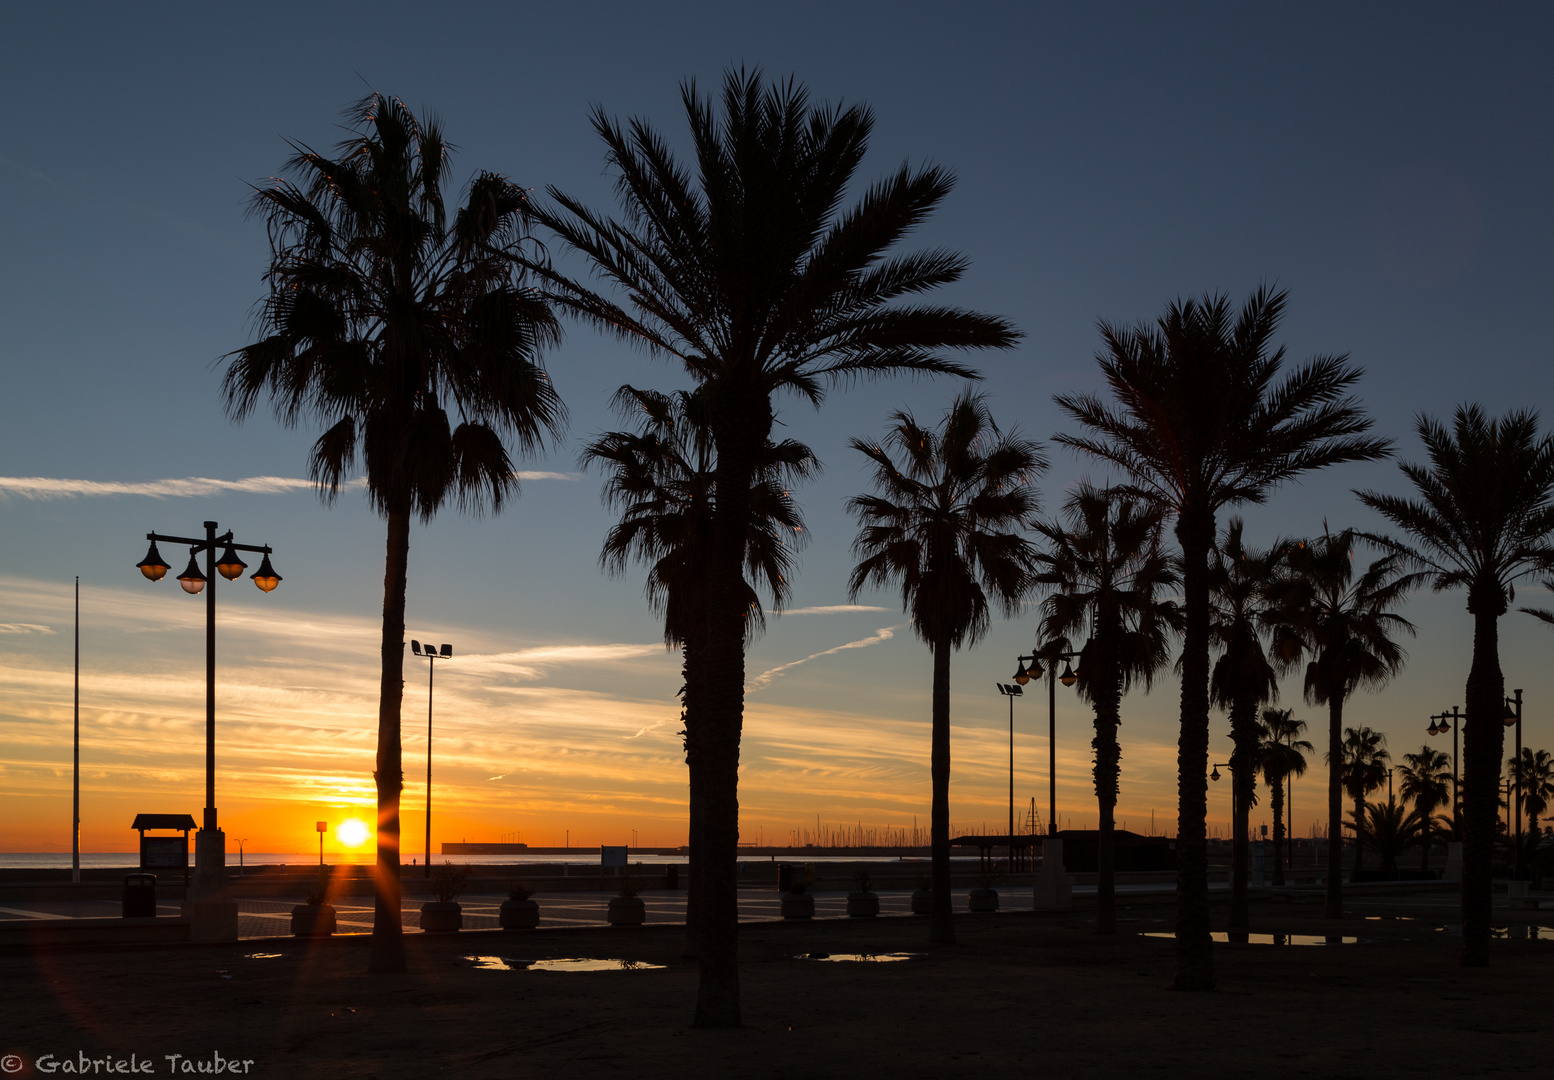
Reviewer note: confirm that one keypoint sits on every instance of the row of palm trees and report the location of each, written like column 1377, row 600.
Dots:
column 415, row 342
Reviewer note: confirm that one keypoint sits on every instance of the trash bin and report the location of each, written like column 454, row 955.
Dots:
column 784, row 877
column 139, row 896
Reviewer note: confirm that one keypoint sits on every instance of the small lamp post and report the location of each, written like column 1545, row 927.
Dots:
column 432, row 656
column 322, row 827
column 240, row 843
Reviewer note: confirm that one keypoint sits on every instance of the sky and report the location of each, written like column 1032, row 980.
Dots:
column 1387, row 164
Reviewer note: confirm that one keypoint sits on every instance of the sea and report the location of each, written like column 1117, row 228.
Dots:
column 118, row 859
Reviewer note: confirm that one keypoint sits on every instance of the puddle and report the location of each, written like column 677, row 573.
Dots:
column 1389, row 918
column 1515, row 931
column 262, row 956
column 1274, row 939
column 508, row 963
column 863, row 958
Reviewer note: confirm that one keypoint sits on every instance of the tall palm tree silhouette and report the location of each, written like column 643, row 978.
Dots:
column 1105, row 567
column 1243, row 584
column 1366, row 761
column 1198, row 420
column 661, row 478
column 1345, row 627
column 1484, row 520
column 748, row 272
column 945, row 525
column 381, row 316
column 1281, row 756
column 1424, row 779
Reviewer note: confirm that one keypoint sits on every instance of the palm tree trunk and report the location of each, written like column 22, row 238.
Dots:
column 1243, row 730
column 1277, row 798
column 691, row 670
column 1483, row 744
column 1335, row 806
column 388, row 944
column 1194, row 945
column 941, row 923
column 1107, row 769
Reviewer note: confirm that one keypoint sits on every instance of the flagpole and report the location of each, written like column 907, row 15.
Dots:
column 75, row 801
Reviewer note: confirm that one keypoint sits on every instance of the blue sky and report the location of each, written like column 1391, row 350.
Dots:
column 1387, row 164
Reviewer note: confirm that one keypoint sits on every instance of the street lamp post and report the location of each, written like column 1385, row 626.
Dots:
column 432, row 656
column 210, row 918
column 1513, row 715
column 1011, row 691
column 1440, row 724
column 1024, row 674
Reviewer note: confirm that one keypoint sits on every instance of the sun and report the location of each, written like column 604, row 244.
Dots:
column 352, row 832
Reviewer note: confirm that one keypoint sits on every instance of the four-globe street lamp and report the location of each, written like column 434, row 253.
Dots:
column 210, row 844
column 1027, row 668
column 432, row 655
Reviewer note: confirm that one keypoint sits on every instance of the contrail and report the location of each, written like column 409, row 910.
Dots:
column 763, row 680
column 831, row 609
column 46, row 487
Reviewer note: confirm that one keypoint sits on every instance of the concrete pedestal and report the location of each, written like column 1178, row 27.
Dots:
column 1053, row 891
column 211, row 912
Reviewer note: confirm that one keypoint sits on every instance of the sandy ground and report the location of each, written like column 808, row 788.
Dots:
column 1018, row 994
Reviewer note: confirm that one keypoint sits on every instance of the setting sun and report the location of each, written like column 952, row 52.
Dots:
column 352, row 832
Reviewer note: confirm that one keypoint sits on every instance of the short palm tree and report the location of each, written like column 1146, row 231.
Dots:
column 1243, row 586
column 1106, row 569
column 382, row 315
column 1199, row 420
column 1484, row 520
column 661, row 478
column 1388, row 830
column 1425, row 779
column 746, row 270
column 944, row 524
column 1533, row 775
column 1346, row 628
column 1366, row 761
column 1282, row 756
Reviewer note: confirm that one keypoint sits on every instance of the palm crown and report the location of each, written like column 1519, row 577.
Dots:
column 946, row 520
column 381, row 316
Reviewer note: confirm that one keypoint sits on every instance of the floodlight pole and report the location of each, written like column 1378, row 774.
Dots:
column 1011, row 691
column 432, row 656
column 75, row 785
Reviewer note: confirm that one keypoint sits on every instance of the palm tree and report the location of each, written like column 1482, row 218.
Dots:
column 1281, row 755
column 1425, row 776
column 1242, row 584
column 1106, row 567
column 381, row 315
column 747, row 273
column 1388, row 830
column 1346, row 625
column 661, row 479
column 1365, row 764
column 945, row 525
column 1533, row 775
column 1482, row 522
column 1200, row 423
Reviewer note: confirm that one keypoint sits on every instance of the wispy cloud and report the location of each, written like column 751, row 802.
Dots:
column 24, row 628
column 765, row 679
column 832, row 609
column 47, row 487
column 533, row 662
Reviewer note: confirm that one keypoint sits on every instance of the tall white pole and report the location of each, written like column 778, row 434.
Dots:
column 75, row 793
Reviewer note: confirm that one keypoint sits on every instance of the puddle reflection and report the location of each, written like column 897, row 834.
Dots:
column 1272, row 939
column 865, row 958
column 507, row 963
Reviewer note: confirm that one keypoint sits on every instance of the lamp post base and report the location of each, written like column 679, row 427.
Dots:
column 211, row 912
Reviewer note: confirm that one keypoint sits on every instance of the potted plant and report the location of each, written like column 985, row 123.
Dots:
column 797, row 903
column 518, row 911
column 627, row 909
column 861, row 902
column 922, row 896
column 984, row 897
column 315, row 917
column 444, row 915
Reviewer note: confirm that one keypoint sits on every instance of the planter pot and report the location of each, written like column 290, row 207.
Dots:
column 313, row 920
column 627, row 911
column 519, row 914
column 798, row 906
column 441, row 918
column 922, row 902
column 983, row 900
column 862, row 905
